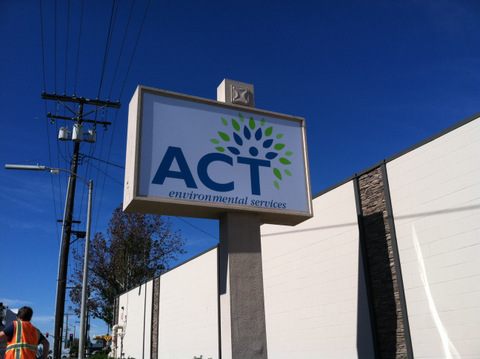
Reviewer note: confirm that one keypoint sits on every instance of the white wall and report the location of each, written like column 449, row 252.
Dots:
column 189, row 310
column 435, row 193
column 315, row 299
column 311, row 280
column 136, row 317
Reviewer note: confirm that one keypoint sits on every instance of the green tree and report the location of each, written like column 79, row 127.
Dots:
column 136, row 248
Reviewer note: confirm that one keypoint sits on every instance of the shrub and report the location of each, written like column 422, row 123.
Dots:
column 74, row 351
column 102, row 354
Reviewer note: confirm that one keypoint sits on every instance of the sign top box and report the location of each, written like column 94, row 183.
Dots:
column 193, row 157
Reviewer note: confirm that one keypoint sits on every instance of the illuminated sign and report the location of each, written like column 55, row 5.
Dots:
column 194, row 157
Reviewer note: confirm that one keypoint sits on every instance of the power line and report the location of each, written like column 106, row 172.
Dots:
column 64, row 152
column 197, row 228
column 107, row 175
column 43, row 50
column 104, row 180
column 109, row 163
column 134, row 49
column 52, row 179
column 78, row 48
column 66, row 47
column 55, row 47
column 121, row 48
column 107, row 45
column 115, row 180
column 120, row 96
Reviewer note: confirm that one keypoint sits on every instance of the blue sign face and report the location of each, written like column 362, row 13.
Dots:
column 204, row 152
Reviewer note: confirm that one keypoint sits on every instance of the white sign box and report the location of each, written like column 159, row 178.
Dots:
column 193, row 157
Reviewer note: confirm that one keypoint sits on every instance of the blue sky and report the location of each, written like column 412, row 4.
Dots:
column 371, row 78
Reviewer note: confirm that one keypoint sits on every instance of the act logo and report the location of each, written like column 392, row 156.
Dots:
column 260, row 143
column 248, row 143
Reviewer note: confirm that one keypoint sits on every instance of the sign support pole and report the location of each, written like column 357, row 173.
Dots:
column 242, row 308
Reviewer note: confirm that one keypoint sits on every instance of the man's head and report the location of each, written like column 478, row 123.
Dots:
column 25, row 314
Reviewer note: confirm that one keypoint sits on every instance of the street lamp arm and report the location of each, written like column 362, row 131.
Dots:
column 42, row 168
column 26, row 167
column 81, row 352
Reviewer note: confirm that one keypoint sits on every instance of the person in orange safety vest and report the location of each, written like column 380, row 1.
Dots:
column 23, row 338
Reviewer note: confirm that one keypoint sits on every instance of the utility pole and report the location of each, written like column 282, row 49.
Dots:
column 77, row 137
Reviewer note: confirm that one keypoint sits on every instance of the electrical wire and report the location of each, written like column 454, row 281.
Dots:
column 89, row 166
column 78, row 49
column 107, row 175
column 179, row 218
column 111, row 27
column 120, row 96
column 107, row 46
column 121, row 92
column 86, row 176
column 109, row 163
column 121, row 48
column 197, row 228
column 106, row 169
column 59, row 165
column 55, row 81
column 134, row 49
column 55, row 50
column 43, row 52
column 98, row 171
column 64, row 152
column 66, row 47
column 52, row 180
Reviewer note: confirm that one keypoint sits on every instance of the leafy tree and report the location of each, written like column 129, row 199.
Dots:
column 136, row 248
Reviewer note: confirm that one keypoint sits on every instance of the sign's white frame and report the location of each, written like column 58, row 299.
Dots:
column 134, row 201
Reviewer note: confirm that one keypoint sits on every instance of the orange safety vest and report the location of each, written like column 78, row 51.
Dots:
column 23, row 344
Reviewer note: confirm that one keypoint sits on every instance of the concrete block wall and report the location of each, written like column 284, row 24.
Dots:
column 315, row 298
column 311, row 278
column 406, row 232
column 188, row 310
column 135, row 314
column 435, row 191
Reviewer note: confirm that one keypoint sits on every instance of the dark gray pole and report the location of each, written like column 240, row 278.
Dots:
column 65, row 249
column 81, row 344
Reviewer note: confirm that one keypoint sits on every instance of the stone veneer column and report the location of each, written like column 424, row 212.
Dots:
column 242, row 325
column 376, row 236
column 242, row 309
column 116, row 310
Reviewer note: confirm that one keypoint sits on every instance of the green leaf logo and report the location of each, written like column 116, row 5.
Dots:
column 252, row 138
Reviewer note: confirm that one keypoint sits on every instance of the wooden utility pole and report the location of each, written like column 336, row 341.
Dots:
column 68, row 214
